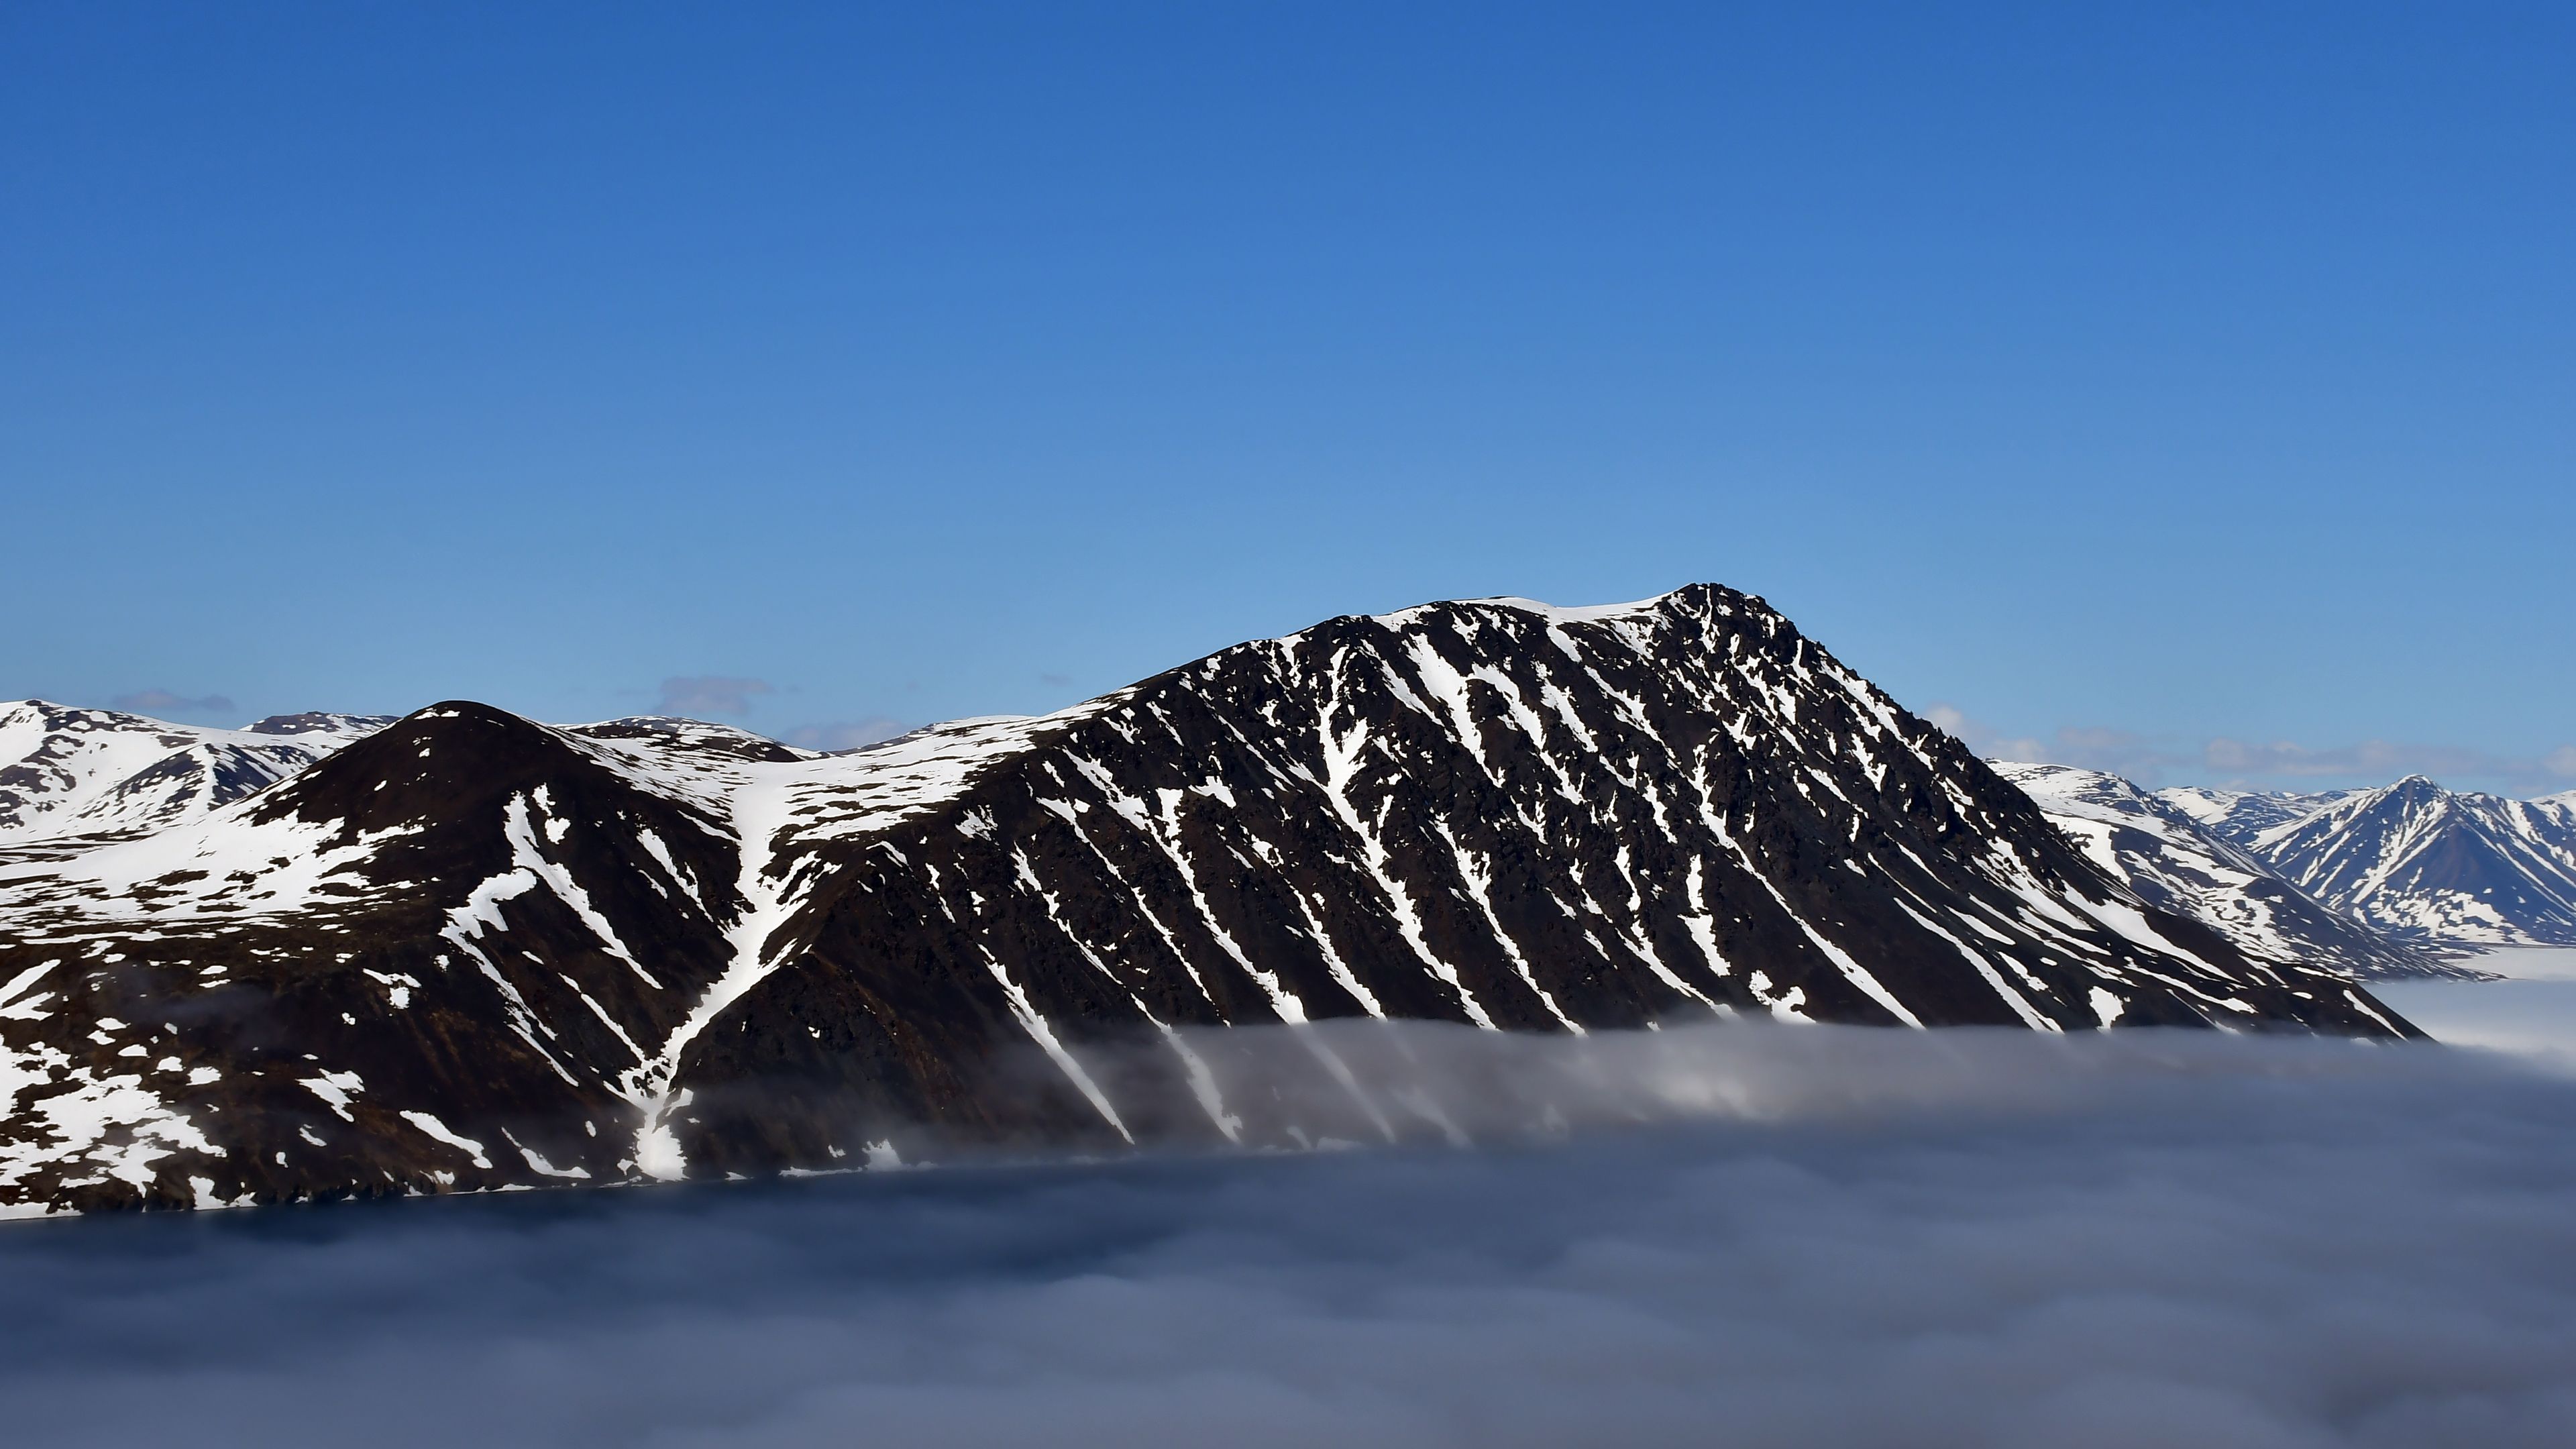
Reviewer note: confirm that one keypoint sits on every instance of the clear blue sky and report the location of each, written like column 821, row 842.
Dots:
column 2169, row 373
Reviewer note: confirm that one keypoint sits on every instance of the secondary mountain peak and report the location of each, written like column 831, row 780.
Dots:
column 2428, row 864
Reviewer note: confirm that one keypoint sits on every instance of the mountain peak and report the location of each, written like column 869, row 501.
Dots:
column 674, row 732
column 633, row 950
column 1702, row 598
column 2424, row 863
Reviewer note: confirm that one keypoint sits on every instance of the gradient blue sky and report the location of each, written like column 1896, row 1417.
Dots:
column 2160, row 374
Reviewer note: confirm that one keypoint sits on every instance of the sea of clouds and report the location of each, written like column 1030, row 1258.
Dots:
column 1727, row 1236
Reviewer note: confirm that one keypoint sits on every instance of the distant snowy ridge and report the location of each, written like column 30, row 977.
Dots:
column 71, row 772
column 2162, row 845
column 2238, row 816
column 472, row 951
column 2424, row 869
column 2427, row 864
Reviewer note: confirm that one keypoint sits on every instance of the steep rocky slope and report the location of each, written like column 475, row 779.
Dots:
column 473, row 951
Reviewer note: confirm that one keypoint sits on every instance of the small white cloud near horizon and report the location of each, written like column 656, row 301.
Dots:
column 705, row 694
column 162, row 701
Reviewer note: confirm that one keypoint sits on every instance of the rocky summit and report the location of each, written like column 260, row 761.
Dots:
column 466, row 950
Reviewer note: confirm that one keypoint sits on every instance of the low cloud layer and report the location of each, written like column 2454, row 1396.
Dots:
column 1877, row 1238
column 2223, row 760
column 163, row 702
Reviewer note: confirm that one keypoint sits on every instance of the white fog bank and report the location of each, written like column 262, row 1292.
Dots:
column 1879, row 1239
column 2531, row 1012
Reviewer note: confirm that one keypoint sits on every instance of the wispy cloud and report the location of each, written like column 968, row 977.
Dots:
column 707, row 694
column 2375, row 758
column 2120, row 752
column 162, row 701
column 2223, row 759
column 847, row 734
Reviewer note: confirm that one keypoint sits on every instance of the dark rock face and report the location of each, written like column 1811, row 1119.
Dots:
column 471, row 951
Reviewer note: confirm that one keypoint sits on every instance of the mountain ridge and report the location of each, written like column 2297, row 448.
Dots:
column 472, row 951
column 2168, row 852
column 67, row 771
column 2421, row 862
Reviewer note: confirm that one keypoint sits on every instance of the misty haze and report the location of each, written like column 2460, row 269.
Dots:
column 1793, row 1236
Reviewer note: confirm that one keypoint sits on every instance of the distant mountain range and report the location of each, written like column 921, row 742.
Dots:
column 2422, row 863
column 69, row 773
column 2393, row 881
column 466, row 950
column 2171, row 858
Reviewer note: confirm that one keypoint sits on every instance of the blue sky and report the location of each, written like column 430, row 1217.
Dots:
column 2123, row 380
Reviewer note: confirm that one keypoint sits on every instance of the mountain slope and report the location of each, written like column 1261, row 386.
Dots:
column 2427, row 864
column 296, row 994
column 78, row 772
column 471, row 951
column 2164, row 853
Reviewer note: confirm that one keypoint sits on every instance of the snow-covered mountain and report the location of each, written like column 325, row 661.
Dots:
column 2159, row 844
column 2237, row 816
column 2422, row 863
column 84, row 772
column 468, row 950
column 314, row 723
column 2427, row 870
